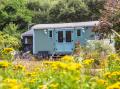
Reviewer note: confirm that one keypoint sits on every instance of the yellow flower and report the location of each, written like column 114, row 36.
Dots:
column 115, row 73
column 31, row 74
column 111, row 74
column 43, row 87
column 47, row 62
column 74, row 66
column 7, row 50
column 114, row 57
column 54, row 85
column 36, row 69
column 67, row 59
column 114, row 86
column 107, row 74
column 101, row 81
column 62, row 65
column 12, row 83
column 32, row 81
column 4, row 64
column 88, row 61
column 19, row 67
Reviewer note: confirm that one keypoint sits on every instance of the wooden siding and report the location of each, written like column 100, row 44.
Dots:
column 41, row 41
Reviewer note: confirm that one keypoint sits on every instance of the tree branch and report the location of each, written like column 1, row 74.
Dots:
column 116, row 33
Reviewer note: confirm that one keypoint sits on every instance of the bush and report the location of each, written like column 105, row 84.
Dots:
column 7, row 54
column 100, row 46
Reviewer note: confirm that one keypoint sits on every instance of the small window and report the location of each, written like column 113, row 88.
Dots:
column 60, row 36
column 79, row 32
column 50, row 33
column 68, row 36
column 28, row 40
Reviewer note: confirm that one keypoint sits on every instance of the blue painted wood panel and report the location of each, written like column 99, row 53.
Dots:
column 42, row 41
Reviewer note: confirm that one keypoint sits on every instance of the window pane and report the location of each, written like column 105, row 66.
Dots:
column 68, row 36
column 50, row 33
column 60, row 36
column 78, row 32
column 28, row 40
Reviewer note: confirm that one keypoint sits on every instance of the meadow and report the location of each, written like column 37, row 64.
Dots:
column 64, row 73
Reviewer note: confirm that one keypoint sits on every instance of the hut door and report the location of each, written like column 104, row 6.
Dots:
column 68, row 41
column 64, row 41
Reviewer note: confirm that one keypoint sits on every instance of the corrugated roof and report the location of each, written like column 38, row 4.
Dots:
column 65, row 25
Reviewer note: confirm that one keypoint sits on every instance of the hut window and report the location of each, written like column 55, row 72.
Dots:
column 60, row 36
column 78, row 32
column 50, row 34
column 26, row 40
column 68, row 36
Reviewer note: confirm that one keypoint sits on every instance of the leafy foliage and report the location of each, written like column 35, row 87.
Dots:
column 65, row 11
column 8, row 40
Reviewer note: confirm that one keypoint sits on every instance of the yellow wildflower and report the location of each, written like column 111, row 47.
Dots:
column 114, row 57
column 36, row 69
column 67, row 59
column 74, row 66
column 32, row 81
column 111, row 74
column 31, row 74
column 114, row 86
column 62, row 65
column 88, row 61
column 43, row 87
column 7, row 50
column 54, row 85
column 107, row 74
column 12, row 83
column 4, row 64
column 101, row 81
column 19, row 67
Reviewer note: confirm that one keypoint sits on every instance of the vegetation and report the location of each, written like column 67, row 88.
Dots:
column 62, row 74
column 110, row 21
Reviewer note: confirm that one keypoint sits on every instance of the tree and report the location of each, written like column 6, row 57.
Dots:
column 69, row 11
column 40, row 9
column 95, row 7
column 14, row 11
column 110, row 21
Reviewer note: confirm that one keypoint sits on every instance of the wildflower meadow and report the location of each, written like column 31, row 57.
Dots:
column 63, row 73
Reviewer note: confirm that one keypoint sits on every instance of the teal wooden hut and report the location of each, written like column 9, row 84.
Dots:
column 60, row 38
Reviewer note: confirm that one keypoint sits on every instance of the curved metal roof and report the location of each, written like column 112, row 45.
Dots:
column 65, row 25
column 59, row 25
column 28, row 33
